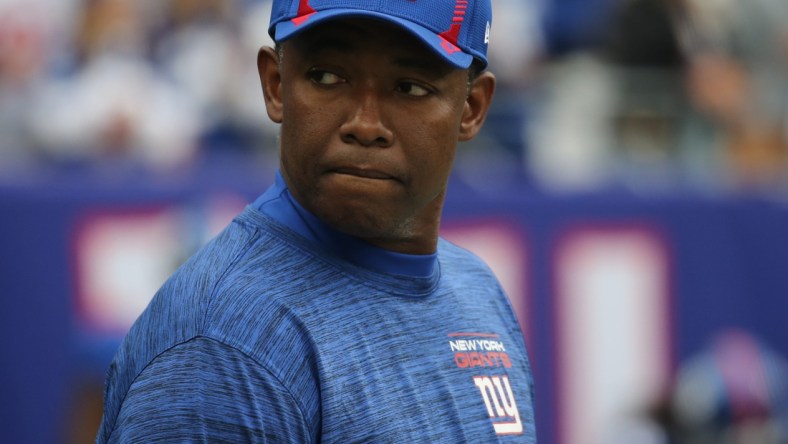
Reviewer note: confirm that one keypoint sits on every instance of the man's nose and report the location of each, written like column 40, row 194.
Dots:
column 365, row 125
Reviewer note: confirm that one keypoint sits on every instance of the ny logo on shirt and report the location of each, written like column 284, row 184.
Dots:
column 501, row 406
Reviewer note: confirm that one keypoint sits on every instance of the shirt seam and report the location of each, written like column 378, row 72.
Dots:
column 253, row 236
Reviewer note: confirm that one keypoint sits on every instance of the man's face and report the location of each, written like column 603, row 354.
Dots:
column 370, row 123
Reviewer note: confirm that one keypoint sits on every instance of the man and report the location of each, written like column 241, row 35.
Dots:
column 329, row 310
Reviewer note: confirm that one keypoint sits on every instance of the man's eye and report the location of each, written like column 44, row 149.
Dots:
column 324, row 77
column 412, row 89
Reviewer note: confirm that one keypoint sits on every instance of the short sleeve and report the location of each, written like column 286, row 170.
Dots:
column 203, row 391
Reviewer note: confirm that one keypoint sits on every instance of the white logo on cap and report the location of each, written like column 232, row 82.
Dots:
column 487, row 34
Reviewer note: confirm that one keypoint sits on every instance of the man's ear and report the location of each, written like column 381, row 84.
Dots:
column 271, row 81
column 476, row 105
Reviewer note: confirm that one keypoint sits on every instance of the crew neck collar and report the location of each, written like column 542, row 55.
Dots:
column 278, row 203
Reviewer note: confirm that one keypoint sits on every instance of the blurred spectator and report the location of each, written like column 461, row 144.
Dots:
column 735, row 391
column 573, row 26
column 612, row 102
column 210, row 49
column 738, row 83
column 667, row 93
column 134, row 82
column 116, row 105
column 569, row 135
column 646, row 63
column 31, row 34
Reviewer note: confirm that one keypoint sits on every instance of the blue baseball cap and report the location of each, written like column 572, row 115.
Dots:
column 456, row 30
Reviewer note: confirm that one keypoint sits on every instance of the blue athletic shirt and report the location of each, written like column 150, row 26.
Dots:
column 282, row 330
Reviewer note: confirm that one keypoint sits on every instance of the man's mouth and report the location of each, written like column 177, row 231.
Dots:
column 367, row 173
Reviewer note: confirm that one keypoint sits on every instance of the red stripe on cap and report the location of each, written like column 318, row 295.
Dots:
column 304, row 8
column 301, row 19
column 304, row 12
column 452, row 35
column 448, row 46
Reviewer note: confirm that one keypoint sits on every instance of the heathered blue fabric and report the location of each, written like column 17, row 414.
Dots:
column 266, row 336
column 278, row 203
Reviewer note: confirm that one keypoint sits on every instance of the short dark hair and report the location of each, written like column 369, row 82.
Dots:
column 477, row 67
column 474, row 71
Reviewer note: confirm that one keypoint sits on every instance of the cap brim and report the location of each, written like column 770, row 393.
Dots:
column 440, row 46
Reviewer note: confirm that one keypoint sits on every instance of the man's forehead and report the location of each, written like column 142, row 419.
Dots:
column 349, row 36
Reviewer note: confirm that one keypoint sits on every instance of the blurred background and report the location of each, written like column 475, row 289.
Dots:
column 630, row 190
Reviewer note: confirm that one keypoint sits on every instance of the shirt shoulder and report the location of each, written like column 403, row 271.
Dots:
column 198, row 302
column 205, row 391
column 460, row 264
